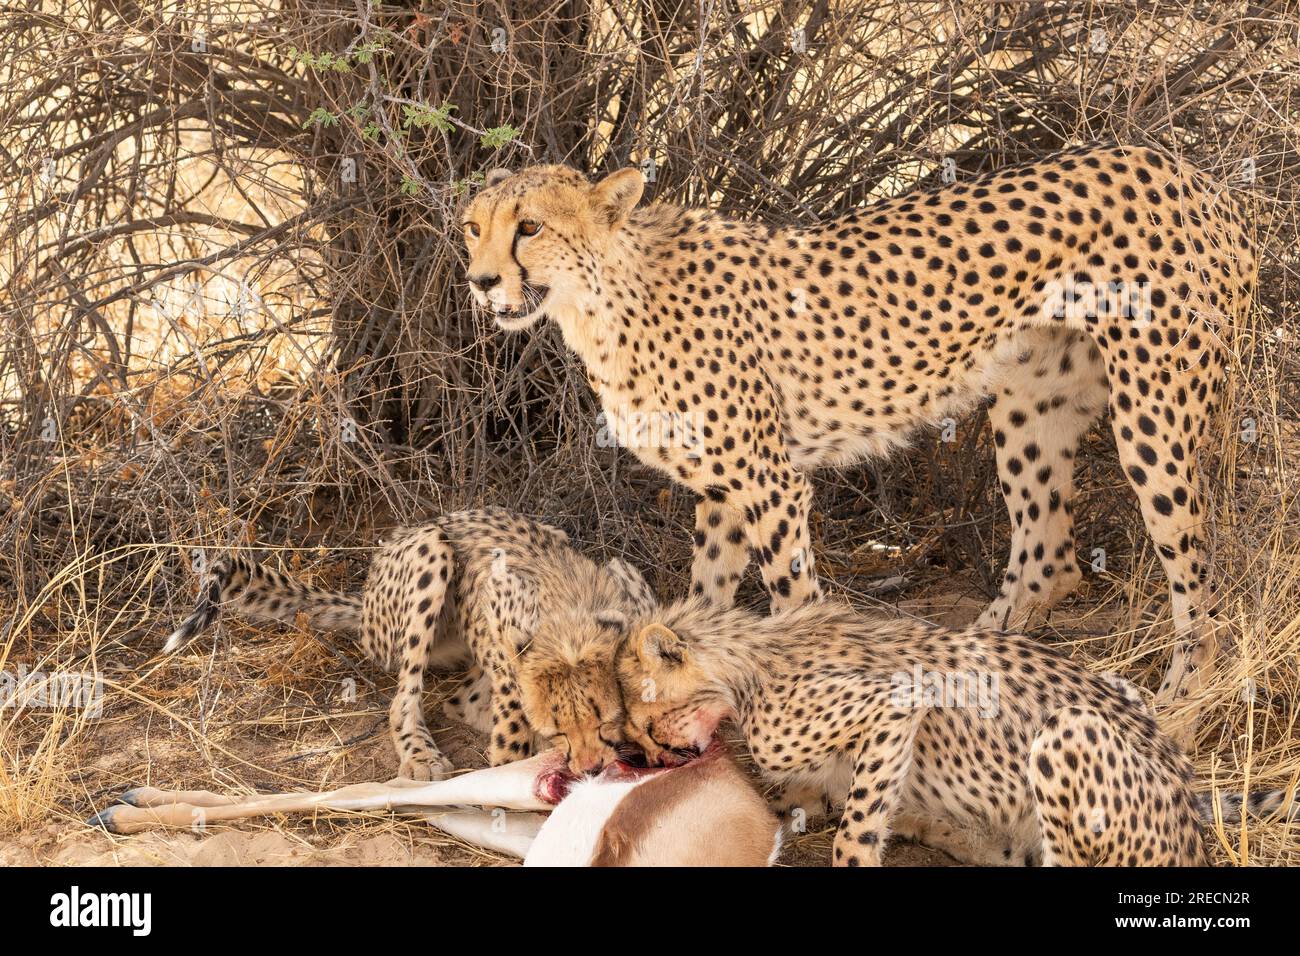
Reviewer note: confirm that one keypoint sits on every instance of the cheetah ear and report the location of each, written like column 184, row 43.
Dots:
column 615, row 196
column 495, row 176
column 657, row 643
column 613, row 619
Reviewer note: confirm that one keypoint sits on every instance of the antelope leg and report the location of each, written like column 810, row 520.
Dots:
column 514, row 786
column 153, row 797
column 510, row 833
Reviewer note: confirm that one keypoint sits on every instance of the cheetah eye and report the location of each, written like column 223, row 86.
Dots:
column 529, row 228
column 472, row 230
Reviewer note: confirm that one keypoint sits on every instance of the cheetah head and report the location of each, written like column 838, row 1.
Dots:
column 568, row 689
column 532, row 237
column 672, row 707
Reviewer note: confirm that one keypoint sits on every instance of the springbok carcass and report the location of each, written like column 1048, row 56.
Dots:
column 700, row 813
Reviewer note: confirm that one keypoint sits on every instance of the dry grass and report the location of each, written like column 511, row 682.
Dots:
column 210, row 339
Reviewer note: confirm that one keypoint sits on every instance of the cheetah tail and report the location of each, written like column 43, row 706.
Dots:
column 1258, row 803
column 236, row 583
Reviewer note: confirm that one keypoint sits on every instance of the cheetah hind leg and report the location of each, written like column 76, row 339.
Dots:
column 471, row 702
column 1089, row 816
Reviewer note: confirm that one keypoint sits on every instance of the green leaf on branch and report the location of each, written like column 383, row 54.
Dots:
column 425, row 117
column 499, row 136
column 461, row 186
column 366, row 51
column 320, row 117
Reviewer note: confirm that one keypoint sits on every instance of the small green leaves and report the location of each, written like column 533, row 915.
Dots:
column 424, row 117
column 337, row 62
column 366, row 51
column 320, row 117
column 462, row 185
column 499, row 136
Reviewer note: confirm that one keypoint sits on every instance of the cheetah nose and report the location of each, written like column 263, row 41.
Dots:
column 482, row 282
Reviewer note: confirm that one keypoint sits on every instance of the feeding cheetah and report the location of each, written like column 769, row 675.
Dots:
column 1097, row 278
column 987, row 745
column 539, row 619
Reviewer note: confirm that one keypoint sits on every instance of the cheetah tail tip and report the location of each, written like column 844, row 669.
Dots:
column 1257, row 804
column 190, row 628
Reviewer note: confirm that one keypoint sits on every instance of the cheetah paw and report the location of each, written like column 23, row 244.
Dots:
column 425, row 768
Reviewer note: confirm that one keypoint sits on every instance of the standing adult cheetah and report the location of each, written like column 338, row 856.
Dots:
column 1096, row 277
column 539, row 619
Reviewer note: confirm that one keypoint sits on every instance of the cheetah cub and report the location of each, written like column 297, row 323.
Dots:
column 538, row 619
column 989, row 746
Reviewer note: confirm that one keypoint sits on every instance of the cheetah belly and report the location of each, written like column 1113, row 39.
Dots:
column 827, row 432
column 826, row 437
column 832, row 776
column 999, row 817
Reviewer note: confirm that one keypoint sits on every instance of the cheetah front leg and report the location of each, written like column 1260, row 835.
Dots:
column 776, row 523
column 419, row 756
column 471, row 702
column 495, row 641
column 511, row 736
column 880, row 768
column 721, row 552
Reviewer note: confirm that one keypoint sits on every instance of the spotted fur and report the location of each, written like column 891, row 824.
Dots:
column 786, row 348
column 1054, row 766
column 538, row 619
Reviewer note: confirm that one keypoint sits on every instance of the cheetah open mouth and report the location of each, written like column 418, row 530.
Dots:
column 554, row 783
column 678, row 756
column 632, row 763
column 633, row 758
column 515, row 318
